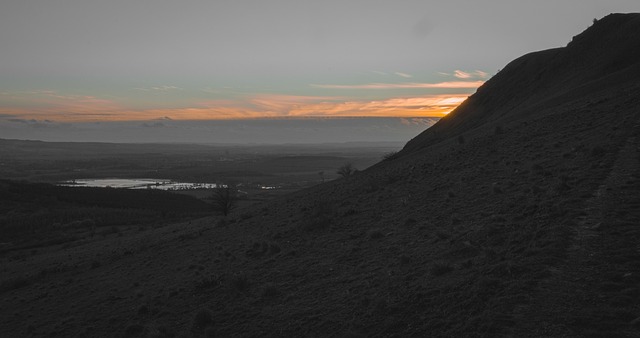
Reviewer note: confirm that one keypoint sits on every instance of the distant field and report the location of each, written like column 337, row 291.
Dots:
column 34, row 212
column 286, row 166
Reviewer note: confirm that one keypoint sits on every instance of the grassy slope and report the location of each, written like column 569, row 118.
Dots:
column 34, row 214
column 491, row 234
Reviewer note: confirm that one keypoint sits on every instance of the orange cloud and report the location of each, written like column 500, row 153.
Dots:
column 288, row 106
column 76, row 108
column 448, row 84
column 469, row 75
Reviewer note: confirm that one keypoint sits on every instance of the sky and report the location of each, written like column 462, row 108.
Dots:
column 70, row 67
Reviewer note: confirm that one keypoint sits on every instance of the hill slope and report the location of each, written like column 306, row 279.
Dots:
column 596, row 61
column 516, row 215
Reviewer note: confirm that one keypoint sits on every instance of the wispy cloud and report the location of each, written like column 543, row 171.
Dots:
column 430, row 105
column 158, row 88
column 49, row 105
column 406, row 85
column 462, row 75
column 404, row 75
column 477, row 74
column 90, row 109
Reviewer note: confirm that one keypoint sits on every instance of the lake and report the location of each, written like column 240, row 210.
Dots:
column 137, row 183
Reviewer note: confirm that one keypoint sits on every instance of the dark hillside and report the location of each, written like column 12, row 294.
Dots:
column 517, row 215
column 603, row 57
column 35, row 214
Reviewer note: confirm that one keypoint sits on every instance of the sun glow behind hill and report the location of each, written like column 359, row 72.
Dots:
column 368, row 110
column 374, row 112
column 177, row 103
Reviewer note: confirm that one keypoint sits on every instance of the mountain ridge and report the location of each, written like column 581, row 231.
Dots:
column 527, row 78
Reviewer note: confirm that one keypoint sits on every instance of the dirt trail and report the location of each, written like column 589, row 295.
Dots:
column 596, row 291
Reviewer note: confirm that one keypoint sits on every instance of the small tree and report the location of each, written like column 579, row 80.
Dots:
column 224, row 200
column 390, row 156
column 346, row 170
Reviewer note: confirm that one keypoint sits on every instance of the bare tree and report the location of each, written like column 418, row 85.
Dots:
column 346, row 170
column 390, row 156
column 224, row 199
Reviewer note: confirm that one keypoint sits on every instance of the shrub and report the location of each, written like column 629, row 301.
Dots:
column 346, row 170
column 390, row 156
column 224, row 200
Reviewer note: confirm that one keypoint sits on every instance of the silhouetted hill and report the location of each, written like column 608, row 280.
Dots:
column 602, row 58
column 516, row 215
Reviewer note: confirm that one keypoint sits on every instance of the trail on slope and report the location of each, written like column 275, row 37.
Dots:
column 596, row 292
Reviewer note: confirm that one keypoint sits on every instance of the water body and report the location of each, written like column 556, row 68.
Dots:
column 138, row 183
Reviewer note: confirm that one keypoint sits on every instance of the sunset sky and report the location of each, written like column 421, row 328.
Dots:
column 85, row 62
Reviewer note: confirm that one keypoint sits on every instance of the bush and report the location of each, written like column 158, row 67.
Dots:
column 224, row 199
column 390, row 156
column 346, row 170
